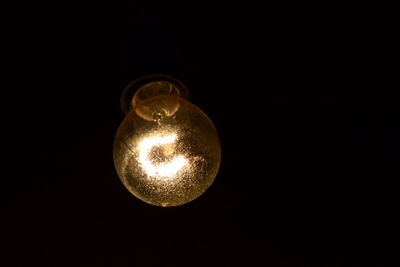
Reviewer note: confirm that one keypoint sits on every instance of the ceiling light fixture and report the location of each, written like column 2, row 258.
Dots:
column 166, row 150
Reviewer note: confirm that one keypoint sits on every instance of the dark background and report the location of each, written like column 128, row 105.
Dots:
column 304, row 100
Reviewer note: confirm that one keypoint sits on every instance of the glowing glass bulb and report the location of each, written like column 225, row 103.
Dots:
column 166, row 151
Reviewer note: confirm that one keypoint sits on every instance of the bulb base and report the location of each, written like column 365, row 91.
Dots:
column 151, row 86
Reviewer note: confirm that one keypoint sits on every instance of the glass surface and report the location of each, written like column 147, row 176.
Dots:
column 166, row 151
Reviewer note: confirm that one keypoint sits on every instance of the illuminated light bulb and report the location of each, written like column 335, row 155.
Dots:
column 166, row 150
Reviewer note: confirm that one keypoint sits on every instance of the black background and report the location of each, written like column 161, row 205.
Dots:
column 303, row 98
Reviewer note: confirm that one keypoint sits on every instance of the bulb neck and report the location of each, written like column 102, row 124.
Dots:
column 151, row 86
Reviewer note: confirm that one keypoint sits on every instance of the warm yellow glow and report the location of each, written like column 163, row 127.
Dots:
column 166, row 151
column 159, row 167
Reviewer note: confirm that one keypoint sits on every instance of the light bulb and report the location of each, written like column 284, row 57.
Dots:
column 166, row 150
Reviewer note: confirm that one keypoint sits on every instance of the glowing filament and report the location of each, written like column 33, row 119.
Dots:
column 165, row 169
